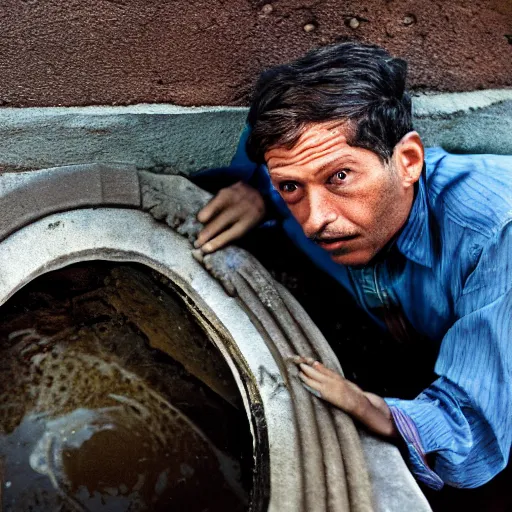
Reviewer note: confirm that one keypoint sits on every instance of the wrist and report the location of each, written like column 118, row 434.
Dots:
column 372, row 411
column 356, row 403
column 363, row 408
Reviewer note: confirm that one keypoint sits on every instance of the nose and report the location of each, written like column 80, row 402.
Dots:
column 321, row 212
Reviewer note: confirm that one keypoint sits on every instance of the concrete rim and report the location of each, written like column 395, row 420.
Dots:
column 80, row 236
column 285, row 447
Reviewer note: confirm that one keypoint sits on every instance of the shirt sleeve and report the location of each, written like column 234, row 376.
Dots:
column 463, row 421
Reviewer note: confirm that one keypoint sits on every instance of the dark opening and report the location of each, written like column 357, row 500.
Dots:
column 114, row 398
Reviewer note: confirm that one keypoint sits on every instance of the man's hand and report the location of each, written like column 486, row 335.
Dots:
column 369, row 409
column 228, row 216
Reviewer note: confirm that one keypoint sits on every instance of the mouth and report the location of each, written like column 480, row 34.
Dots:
column 334, row 243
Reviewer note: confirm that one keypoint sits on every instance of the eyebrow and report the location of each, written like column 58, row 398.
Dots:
column 280, row 176
column 337, row 162
column 333, row 164
column 340, row 161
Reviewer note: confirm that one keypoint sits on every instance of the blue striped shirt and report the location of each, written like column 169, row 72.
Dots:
column 447, row 280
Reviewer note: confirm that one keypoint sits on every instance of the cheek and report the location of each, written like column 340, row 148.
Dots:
column 386, row 215
column 300, row 211
column 371, row 207
column 359, row 211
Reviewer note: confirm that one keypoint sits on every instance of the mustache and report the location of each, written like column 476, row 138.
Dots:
column 321, row 236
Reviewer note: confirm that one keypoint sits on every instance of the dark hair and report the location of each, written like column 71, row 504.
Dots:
column 354, row 82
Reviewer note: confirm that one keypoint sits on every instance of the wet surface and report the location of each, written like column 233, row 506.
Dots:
column 93, row 418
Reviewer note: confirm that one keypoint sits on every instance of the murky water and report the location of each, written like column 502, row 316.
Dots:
column 94, row 419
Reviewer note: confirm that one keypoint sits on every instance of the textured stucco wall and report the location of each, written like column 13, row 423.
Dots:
column 208, row 52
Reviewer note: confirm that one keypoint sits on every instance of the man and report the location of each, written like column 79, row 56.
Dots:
column 421, row 240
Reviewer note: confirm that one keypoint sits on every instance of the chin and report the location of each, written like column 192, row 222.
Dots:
column 353, row 258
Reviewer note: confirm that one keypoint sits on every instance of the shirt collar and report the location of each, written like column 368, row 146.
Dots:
column 415, row 240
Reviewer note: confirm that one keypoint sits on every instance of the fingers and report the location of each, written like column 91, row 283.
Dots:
column 313, row 373
column 311, row 385
column 320, row 381
column 221, row 222
column 312, row 391
column 228, row 216
column 317, row 365
column 234, row 232
column 215, row 206
column 324, row 370
column 308, row 375
column 301, row 359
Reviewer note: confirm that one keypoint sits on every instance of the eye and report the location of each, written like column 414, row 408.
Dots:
column 288, row 187
column 339, row 177
column 291, row 191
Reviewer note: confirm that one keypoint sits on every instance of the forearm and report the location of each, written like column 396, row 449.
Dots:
column 369, row 409
column 375, row 414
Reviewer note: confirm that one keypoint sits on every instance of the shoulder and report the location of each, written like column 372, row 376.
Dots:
column 472, row 191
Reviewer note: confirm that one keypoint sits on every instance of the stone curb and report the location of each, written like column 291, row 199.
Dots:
column 26, row 197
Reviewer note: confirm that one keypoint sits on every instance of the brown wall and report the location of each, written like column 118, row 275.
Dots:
column 208, row 52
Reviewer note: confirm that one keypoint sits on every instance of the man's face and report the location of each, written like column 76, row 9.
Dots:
column 345, row 198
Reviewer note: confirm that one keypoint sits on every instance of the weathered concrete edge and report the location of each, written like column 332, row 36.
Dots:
column 140, row 108
column 170, row 138
column 161, row 138
column 428, row 104
column 424, row 104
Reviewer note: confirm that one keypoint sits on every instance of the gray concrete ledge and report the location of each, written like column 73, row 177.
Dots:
column 443, row 104
column 161, row 138
column 170, row 139
column 467, row 122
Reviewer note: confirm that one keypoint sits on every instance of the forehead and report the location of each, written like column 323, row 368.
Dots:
column 316, row 141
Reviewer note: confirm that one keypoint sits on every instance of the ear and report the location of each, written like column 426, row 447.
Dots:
column 408, row 157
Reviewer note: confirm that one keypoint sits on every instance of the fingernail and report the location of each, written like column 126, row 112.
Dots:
column 207, row 248
column 312, row 391
column 198, row 255
column 197, row 244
